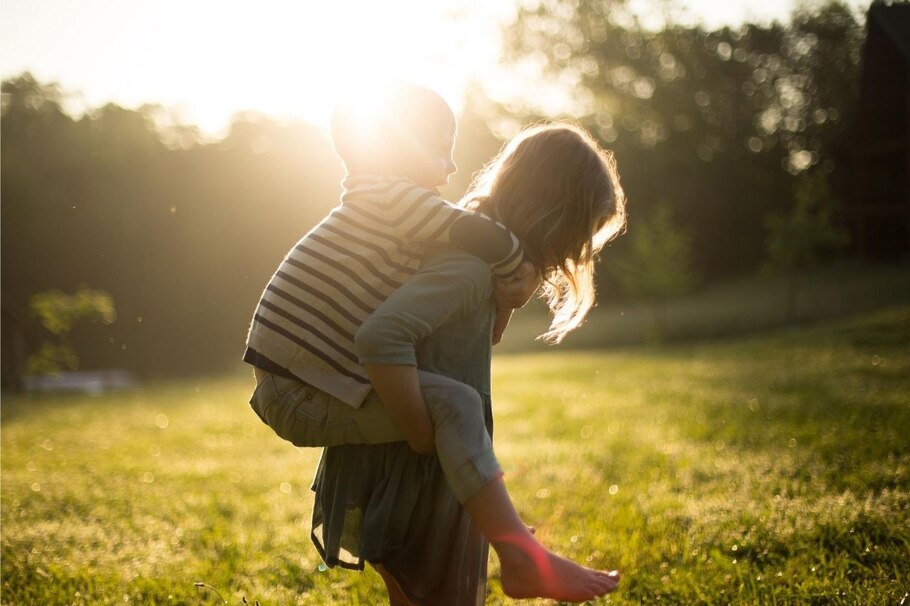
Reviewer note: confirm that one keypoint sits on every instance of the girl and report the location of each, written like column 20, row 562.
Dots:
column 560, row 194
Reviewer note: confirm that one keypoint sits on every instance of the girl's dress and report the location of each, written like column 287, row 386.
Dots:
column 386, row 504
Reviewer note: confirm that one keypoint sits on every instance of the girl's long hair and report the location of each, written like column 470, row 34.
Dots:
column 559, row 192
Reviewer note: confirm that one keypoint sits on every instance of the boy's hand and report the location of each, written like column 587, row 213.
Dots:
column 518, row 289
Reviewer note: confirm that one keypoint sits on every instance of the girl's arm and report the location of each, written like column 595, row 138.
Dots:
column 398, row 387
column 445, row 288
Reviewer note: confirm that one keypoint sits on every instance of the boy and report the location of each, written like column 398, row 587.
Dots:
column 311, row 388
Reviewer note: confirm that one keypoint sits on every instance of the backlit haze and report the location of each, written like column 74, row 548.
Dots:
column 206, row 60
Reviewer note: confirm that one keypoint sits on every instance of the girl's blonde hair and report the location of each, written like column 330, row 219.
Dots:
column 559, row 192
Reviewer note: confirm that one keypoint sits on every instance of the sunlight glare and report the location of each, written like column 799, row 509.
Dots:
column 205, row 61
column 303, row 57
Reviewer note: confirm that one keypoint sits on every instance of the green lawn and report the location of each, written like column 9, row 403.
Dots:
column 767, row 470
column 748, row 305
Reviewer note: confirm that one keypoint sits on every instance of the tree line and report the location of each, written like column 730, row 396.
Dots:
column 183, row 233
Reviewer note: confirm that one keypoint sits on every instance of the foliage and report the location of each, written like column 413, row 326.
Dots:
column 58, row 313
column 723, row 311
column 797, row 240
column 25, row 95
column 184, row 232
column 51, row 358
column 753, row 88
column 658, row 263
column 182, row 235
column 765, row 471
column 719, row 120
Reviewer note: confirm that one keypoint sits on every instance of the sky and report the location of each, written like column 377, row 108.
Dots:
column 205, row 60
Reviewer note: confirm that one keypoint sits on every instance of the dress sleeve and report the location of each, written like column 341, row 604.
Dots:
column 416, row 214
column 445, row 288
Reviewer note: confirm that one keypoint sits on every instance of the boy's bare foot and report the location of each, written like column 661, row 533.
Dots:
column 528, row 570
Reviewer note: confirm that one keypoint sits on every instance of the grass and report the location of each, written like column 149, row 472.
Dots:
column 748, row 305
column 771, row 469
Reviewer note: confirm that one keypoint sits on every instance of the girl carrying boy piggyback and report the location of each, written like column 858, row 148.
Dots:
column 330, row 372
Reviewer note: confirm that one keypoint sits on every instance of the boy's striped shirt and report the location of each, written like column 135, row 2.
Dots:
column 348, row 265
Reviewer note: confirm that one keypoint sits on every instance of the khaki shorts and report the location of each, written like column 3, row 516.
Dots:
column 307, row 416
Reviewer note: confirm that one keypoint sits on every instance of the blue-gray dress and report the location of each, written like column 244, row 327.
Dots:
column 386, row 504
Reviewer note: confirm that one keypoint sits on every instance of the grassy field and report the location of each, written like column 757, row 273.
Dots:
column 767, row 470
column 748, row 305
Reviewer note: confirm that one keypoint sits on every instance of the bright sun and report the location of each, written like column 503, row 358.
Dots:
column 321, row 53
column 209, row 59
column 312, row 53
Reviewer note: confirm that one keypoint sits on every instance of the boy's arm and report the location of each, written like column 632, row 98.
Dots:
column 443, row 290
column 416, row 214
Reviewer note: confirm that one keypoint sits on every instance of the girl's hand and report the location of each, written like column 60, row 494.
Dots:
column 513, row 294
column 517, row 290
column 499, row 326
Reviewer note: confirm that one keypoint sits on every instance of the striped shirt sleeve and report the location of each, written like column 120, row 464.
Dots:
column 416, row 214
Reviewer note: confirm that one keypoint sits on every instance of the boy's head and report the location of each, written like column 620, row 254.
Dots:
column 396, row 130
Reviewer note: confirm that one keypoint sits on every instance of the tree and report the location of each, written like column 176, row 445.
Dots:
column 182, row 235
column 719, row 121
column 797, row 239
column 657, row 264
column 58, row 314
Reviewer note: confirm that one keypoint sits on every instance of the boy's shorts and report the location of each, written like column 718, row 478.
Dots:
column 307, row 416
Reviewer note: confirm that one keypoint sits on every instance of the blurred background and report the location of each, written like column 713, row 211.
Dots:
column 159, row 158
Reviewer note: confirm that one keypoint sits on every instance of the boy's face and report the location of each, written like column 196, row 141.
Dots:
column 436, row 164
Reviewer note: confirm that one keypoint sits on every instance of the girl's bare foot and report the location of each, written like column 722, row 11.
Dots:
column 528, row 570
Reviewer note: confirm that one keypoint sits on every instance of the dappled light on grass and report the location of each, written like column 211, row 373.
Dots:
column 772, row 469
column 751, row 471
column 201, row 498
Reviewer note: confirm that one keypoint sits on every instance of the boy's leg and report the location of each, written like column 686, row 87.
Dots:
column 309, row 417
column 465, row 452
column 464, row 447
column 306, row 416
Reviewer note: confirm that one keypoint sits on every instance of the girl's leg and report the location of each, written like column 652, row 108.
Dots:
column 308, row 417
column 527, row 568
column 465, row 453
column 396, row 595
